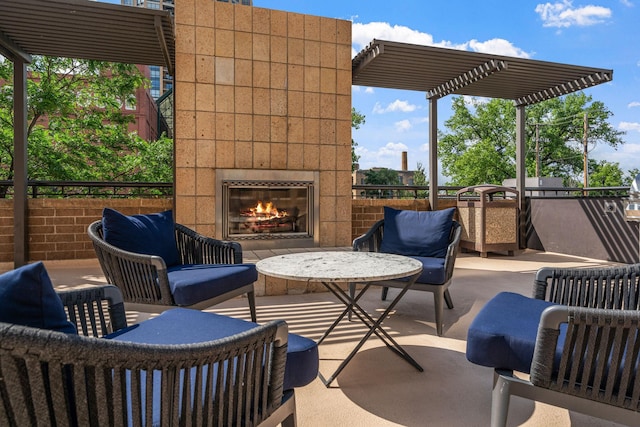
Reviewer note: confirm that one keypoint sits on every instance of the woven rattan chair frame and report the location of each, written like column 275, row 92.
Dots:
column 52, row 378
column 371, row 242
column 96, row 311
column 597, row 373
column 143, row 279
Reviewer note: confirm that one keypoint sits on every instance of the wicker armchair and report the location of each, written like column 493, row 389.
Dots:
column 145, row 279
column 53, row 378
column 371, row 241
column 580, row 336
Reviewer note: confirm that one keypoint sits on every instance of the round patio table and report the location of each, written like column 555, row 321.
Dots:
column 332, row 268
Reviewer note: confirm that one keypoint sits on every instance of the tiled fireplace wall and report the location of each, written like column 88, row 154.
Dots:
column 261, row 89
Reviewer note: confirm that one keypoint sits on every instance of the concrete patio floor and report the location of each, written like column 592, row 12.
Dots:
column 378, row 388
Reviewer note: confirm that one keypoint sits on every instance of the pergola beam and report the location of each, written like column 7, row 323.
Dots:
column 12, row 51
column 565, row 88
column 467, row 78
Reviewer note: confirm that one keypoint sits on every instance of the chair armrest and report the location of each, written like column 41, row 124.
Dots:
column 85, row 309
column 371, row 240
column 141, row 278
column 452, row 249
column 84, row 372
column 616, row 287
column 194, row 248
column 599, row 357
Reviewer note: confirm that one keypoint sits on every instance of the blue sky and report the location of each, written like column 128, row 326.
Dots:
column 595, row 33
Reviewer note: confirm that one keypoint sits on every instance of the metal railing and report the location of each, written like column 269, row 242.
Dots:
column 92, row 189
column 118, row 189
column 365, row 191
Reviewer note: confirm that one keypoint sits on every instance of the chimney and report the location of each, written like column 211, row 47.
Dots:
column 404, row 161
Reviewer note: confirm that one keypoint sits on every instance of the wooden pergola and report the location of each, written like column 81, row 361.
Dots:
column 72, row 29
column 439, row 72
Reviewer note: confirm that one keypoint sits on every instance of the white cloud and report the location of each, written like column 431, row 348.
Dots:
column 396, row 105
column 387, row 156
column 363, row 34
column 564, row 15
column 497, row 47
column 633, row 104
column 403, row 125
column 629, row 126
column 627, row 3
column 369, row 90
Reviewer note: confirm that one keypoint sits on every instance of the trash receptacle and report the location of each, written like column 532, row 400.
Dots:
column 489, row 218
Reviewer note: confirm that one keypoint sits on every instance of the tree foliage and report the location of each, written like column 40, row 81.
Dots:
column 420, row 178
column 381, row 176
column 605, row 174
column 77, row 129
column 480, row 144
column 357, row 120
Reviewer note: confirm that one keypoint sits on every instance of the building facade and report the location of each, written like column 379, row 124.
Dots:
column 161, row 80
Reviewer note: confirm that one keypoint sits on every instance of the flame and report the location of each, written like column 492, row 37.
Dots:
column 267, row 210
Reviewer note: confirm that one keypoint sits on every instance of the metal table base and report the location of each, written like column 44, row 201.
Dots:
column 374, row 325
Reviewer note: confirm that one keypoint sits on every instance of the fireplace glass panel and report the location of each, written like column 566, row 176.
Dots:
column 268, row 211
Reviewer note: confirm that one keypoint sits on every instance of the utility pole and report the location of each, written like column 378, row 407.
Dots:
column 584, row 156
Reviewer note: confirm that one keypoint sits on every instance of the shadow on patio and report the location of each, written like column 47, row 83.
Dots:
column 377, row 388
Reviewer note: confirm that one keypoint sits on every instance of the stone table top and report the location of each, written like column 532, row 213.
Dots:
column 338, row 266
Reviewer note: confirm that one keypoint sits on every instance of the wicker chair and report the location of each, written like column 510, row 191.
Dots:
column 579, row 336
column 371, row 241
column 53, row 378
column 145, row 279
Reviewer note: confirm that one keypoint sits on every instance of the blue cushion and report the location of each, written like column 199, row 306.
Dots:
column 191, row 283
column 417, row 233
column 432, row 270
column 185, row 326
column 151, row 234
column 27, row 298
column 503, row 334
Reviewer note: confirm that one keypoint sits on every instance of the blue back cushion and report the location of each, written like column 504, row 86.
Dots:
column 27, row 298
column 417, row 233
column 151, row 234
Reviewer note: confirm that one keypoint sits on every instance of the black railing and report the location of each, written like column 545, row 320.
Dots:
column 93, row 189
column 365, row 191
column 96, row 189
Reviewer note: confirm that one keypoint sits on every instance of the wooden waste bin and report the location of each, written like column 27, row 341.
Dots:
column 489, row 218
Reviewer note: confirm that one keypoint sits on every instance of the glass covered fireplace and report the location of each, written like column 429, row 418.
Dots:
column 265, row 209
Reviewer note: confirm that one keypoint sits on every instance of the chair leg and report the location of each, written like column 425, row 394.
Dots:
column 500, row 397
column 251, row 296
column 385, row 291
column 447, row 299
column 438, row 299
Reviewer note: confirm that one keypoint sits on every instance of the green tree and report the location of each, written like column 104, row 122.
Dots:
column 605, row 174
column 381, row 176
column 77, row 129
column 420, row 178
column 480, row 145
column 357, row 120
column 630, row 176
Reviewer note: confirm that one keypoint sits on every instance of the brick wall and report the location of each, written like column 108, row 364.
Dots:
column 58, row 227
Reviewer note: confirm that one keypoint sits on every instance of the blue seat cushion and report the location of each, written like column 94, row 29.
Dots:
column 27, row 298
column 417, row 233
column 192, row 283
column 185, row 326
column 151, row 234
column 503, row 334
column 432, row 270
